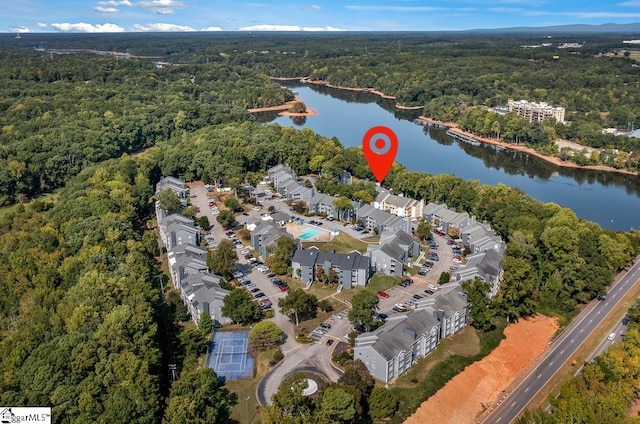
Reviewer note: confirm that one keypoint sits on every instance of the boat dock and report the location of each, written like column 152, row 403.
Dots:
column 433, row 124
column 463, row 137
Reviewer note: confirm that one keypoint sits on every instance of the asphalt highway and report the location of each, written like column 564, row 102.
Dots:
column 563, row 349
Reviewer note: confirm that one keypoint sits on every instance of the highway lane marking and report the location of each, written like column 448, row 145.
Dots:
column 572, row 340
column 598, row 312
column 581, row 330
column 539, row 375
column 551, row 364
column 513, row 404
column 498, row 420
column 590, row 321
column 561, row 352
column 526, row 390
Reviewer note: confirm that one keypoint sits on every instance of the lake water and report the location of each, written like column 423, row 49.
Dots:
column 611, row 200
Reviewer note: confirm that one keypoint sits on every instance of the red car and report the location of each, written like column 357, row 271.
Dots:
column 383, row 294
column 284, row 288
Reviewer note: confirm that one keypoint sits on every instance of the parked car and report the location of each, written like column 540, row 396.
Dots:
column 611, row 337
column 383, row 294
column 336, row 316
column 406, row 282
column 329, row 342
column 284, row 288
column 260, row 295
column 400, row 305
column 417, row 296
column 429, row 291
column 320, row 330
column 326, row 326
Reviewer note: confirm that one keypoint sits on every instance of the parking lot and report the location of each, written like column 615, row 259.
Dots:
column 404, row 295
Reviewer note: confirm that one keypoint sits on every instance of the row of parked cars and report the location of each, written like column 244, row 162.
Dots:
column 261, row 298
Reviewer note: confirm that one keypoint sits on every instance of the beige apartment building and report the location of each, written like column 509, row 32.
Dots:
column 537, row 112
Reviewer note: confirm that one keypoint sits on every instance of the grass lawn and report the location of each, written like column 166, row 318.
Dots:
column 245, row 390
column 379, row 282
column 465, row 343
column 342, row 243
column 372, row 239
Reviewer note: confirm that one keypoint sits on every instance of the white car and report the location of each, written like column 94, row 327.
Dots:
column 401, row 306
column 336, row 316
column 255, row 208
column 611, row 337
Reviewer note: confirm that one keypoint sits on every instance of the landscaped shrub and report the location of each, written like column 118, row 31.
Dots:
column 278, row 356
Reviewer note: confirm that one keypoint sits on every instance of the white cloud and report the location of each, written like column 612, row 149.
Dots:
column 115, row 3
column 162, row 7
column 161, row 27
column 287, row 28
column 42, row 25
column 630, row 3
column 315, row 7
column 211, row 29
column 102, row 9
column 84, row 27
column 21, row 29
column 392, row 8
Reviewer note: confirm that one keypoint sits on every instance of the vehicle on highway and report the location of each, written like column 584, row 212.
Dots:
column 383, row 294
column 611, row 337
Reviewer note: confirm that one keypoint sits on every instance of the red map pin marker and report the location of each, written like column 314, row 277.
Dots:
column 380, row 146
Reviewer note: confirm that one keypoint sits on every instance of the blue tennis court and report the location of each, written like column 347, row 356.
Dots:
column 230, row 357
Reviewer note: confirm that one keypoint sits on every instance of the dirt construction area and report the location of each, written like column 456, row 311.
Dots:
column 482, row 384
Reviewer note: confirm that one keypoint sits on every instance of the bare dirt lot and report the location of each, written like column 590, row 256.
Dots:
column 482, row 384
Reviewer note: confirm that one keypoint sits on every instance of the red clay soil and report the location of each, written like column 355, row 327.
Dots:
column 482, row 384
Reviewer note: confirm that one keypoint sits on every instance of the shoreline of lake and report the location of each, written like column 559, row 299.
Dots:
column 528, row 150
column 284, row 109
column 306, row 80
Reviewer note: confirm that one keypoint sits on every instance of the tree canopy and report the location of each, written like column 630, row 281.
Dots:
column 241, row 307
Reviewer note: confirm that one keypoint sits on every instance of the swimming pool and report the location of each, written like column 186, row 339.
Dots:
column 309, row 232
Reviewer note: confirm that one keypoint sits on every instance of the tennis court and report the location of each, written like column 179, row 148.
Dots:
column 230, row 357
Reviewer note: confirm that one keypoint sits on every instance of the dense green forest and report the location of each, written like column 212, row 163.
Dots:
column 60, row 113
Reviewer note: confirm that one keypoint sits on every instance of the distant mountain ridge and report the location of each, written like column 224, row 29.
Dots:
column 602, row 28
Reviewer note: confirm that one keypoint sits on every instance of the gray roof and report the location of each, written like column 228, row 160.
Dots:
column 170, row 183
column 381, row 217
column 325, row 199
column 394, row 199
column 486, row 263
column 313, row 256
column 280, row 216
column 400, row 332
column 392, row 250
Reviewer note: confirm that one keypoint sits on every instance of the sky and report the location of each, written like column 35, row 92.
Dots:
column 301, row 15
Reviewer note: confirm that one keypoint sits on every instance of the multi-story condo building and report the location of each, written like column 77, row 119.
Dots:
column 537, row 112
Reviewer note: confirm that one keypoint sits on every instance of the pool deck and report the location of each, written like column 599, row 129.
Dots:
column 298, row 229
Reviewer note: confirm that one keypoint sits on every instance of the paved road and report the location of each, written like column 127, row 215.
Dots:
column 563, row 349
column 313, row 356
